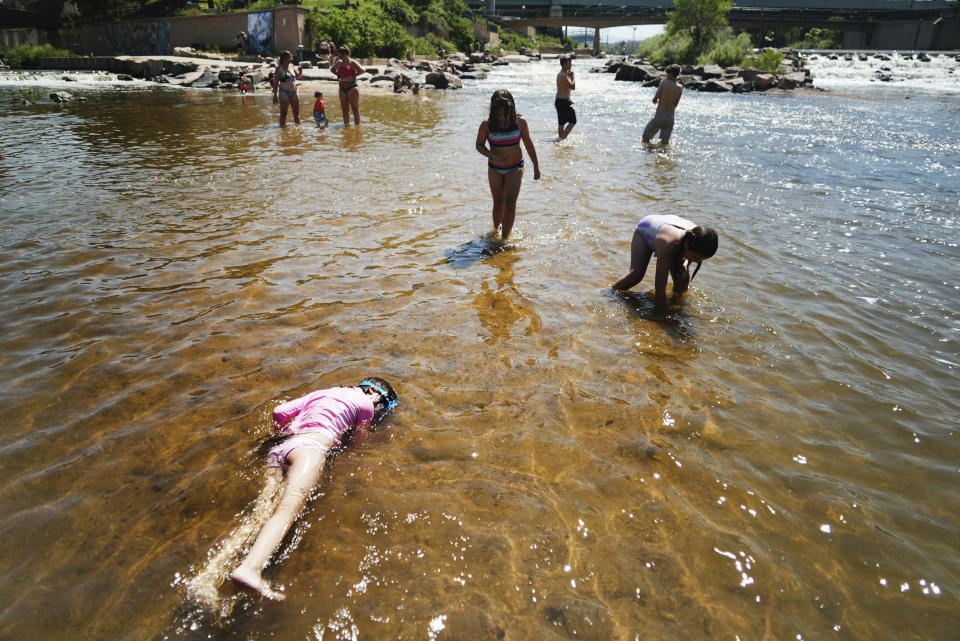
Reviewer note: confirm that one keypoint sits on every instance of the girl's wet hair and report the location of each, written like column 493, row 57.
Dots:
column 502, row 100
column 702, row 240
column 390, row 402
column 285, row 54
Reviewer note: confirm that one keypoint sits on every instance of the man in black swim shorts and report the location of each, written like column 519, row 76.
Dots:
column 566, row 117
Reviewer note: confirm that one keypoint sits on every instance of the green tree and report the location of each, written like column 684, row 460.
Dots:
column 399, row 11
column 366, row 30
column 698, row 18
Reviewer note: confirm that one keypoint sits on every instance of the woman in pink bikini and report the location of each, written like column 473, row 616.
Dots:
column 347, row 69
column 676, row 242
column 313, row 425
column 504, row 130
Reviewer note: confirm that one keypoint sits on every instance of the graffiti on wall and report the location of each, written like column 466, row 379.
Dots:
column 260, row 31
column 139, row 38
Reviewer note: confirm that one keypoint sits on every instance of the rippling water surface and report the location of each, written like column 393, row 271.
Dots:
column 775, row 460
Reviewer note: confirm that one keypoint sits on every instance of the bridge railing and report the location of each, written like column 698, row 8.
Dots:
column 828, row 5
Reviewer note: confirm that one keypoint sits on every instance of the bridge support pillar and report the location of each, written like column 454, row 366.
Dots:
column 596, row 41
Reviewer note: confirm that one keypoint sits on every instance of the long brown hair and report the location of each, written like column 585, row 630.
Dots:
column 502, row 99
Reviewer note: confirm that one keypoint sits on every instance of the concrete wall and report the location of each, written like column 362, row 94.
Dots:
column 159, row 36
column 10, row 38
column 906, row 34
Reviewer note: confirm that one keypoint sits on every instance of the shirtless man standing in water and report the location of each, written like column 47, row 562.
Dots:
column 666, row 99
column 566, row 116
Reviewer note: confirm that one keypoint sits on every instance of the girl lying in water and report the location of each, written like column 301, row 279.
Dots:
column 676, row 242
column 313, row 425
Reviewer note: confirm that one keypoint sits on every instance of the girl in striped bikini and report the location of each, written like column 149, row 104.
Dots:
column 504, row 130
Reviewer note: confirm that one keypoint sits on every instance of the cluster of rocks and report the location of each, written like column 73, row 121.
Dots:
column 864, row 57
column 448, row 73
column 212, row 71
column 791, row 75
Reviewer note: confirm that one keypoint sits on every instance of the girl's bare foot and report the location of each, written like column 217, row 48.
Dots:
column 250, row 580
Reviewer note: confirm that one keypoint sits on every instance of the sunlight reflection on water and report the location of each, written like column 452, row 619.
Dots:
column 174, row 264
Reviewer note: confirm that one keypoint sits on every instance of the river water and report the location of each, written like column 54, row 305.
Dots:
column 776, row 459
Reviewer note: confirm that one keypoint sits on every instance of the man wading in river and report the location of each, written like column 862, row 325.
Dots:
column 666, row 99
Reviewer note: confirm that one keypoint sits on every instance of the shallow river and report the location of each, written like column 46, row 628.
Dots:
column 777, row 459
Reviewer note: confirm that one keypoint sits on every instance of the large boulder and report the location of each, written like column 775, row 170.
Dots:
column 442, row 80
column 187, row 79
column 179, row 68
column 793, row 80
column 709, row 71
column 229, row 75
column 207, row 79
column 515, row 58
column 637, row 73
column 764, row 81
column 62, row 96
column 715, row 86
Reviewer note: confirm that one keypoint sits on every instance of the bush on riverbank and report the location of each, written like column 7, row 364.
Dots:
column 725, row 49
column 377, row 28
column 28, row 57
column 767, row 60
column 366, row 30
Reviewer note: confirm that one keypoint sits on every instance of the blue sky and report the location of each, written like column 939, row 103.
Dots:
column 618, row 34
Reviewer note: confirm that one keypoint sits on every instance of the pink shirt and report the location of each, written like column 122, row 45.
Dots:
column 328, row 411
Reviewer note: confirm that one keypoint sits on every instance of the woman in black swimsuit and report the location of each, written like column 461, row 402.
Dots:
column 286, row 88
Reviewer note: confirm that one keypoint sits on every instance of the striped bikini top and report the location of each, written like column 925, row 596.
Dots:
column 504, row 138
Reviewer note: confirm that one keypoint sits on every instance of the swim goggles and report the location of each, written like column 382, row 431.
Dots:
column 391, row 403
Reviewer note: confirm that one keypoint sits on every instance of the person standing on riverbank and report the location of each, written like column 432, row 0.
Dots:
column 347, row 69
column 313, row 425
column 666, row 99
column 676, row 242
column 504, row 129
column 565, row 112
column 287, row 75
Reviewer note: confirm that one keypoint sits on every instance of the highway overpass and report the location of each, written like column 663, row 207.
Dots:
column 865, row 24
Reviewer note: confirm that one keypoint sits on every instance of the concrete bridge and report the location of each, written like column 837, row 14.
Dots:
column 865, row 24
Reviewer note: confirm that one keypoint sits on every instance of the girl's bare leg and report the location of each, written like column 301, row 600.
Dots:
column 355, row 105
column 284, row 105
column 345, row 106
column 305, row 467
column 497, row 188
column 295, row 106
column 203, row 587
column 639, row 259
column 511, row 191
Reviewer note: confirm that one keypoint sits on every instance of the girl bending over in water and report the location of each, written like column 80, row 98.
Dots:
column 676, row 242
column 504, row 130
column 313, row 425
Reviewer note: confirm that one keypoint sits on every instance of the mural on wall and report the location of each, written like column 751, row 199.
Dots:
column 260, row 31
column 138, row 38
